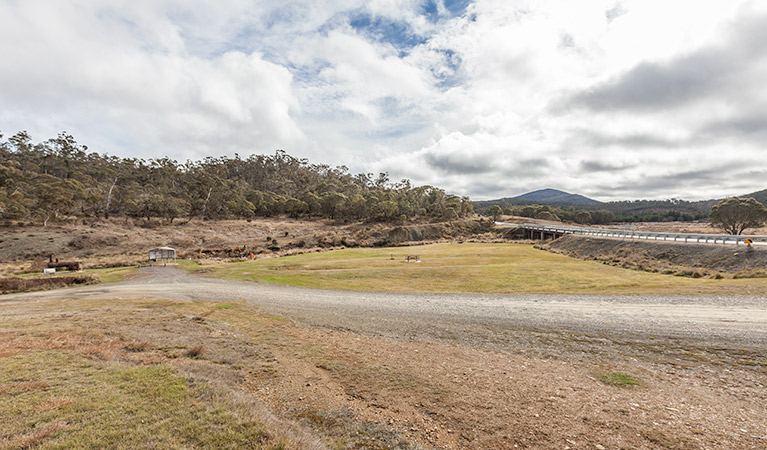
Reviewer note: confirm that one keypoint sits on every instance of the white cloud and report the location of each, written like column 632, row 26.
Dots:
column 363, row 73
column 132, row 75
column 505, row 98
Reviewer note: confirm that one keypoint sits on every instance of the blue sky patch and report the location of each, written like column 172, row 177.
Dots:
column 450, row 77
column 457, row 7
column 431, row 11
column 398, row 34
column 430, row 8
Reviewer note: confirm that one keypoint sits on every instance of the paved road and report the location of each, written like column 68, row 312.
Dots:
column 736, row 322
column 691, row 238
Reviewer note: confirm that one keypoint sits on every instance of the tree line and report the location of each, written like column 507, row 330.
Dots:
column 670, row 210
column 732, row 215
column 59, row 177
column 602, row 213
column 556, row 213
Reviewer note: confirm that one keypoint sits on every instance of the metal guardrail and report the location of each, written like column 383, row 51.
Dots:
column 646, row 235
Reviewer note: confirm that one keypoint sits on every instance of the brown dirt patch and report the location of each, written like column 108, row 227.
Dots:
column 356, row 389
column 451, row 396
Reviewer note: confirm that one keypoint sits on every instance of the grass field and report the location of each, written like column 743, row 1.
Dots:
column 483, row 268
column 67, row 400
column 71, row 378
column 112, row 274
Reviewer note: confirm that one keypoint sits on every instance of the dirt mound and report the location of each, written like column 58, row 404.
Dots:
column 432, row 232
column 17, row 284
column 696, row 260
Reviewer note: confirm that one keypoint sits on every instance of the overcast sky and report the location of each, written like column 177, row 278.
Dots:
column 487, row 98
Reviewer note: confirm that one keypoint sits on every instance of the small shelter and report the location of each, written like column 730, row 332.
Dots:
column 162, row 255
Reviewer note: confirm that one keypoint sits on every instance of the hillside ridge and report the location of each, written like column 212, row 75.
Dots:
column 547, row 196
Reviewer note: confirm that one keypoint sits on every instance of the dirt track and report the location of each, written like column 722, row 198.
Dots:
column 734, row 321
column 477, row 371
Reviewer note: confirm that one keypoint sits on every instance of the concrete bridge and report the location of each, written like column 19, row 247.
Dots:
column 543, row 232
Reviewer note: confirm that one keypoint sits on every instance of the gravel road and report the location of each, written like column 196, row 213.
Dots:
column 731, row 322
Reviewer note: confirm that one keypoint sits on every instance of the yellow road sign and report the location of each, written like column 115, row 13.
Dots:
column 749, row 241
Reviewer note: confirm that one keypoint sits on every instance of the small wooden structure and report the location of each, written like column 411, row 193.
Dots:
column 72, row 266
column 162, row 255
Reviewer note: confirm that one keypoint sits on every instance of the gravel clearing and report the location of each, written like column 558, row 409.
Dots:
column 720, row 322
column 460, row 371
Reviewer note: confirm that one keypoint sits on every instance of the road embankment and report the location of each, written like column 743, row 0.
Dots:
column 695, row 260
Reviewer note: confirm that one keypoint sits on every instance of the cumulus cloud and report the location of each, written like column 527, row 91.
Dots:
column 723, row 70
column 135, row 78
column 487, row 98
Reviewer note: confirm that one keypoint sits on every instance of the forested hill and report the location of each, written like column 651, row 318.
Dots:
column 553, row 197
column 569, row 207
column 59, row 177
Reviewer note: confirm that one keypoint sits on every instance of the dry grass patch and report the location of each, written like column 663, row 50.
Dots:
column 195, row 352
column 116, row 407
column 84, row 378
column 138, row 346
column 470, row 267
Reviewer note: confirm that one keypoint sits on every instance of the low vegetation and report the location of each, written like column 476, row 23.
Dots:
column 619, row 379
column 35, row 282
column 469, row 267
column 63, row 399
column 113, row 374
column 19, row 284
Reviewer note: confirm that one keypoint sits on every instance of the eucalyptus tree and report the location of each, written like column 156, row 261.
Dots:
column 734, row 215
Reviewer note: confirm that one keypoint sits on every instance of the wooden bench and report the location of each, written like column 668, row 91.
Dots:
column 415, row 258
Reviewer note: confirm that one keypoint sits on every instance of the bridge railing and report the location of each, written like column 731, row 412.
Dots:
column 646, row 235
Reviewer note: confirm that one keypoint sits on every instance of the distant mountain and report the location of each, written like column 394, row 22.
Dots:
column 623, row 211
column 553, row 197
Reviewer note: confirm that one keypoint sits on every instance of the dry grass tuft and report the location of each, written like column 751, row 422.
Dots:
column 18, row 387
column 137, row 347
column 35, row 438
column 195, row 352
column 57, row 403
